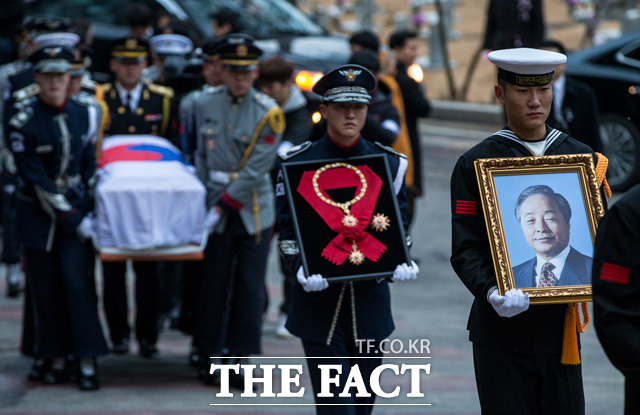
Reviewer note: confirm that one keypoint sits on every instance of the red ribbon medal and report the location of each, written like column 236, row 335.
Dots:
column 348, row 219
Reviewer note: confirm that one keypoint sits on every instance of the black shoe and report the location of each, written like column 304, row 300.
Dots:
column 88, row 383
column 13, row 289
column 147, row 349
column 121, row 347
column 88, row 375
column 194, row 358
column 38, row 370
column 55, row 376
column 210, row 379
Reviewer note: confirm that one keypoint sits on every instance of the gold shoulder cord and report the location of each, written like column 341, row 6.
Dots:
column 275, row 117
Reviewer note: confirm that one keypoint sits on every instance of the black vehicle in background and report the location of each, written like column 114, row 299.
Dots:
column 279, row 27
column 613, row 71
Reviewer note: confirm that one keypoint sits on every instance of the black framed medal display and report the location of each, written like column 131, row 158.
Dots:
column 346, row 217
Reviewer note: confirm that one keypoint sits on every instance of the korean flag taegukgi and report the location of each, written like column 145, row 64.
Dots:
column 147, row 197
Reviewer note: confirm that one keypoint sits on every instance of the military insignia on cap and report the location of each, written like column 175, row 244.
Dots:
column 52, row 51
column 131, row 43
column 242, row 50
column 351, row 74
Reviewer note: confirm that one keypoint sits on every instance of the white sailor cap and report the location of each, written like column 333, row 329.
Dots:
column 69, row 40
column 170, row 44
column 526, row 66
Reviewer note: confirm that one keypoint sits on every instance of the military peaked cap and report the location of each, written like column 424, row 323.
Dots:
column 346, row 83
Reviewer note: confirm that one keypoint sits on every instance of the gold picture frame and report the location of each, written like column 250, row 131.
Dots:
column 502, row 183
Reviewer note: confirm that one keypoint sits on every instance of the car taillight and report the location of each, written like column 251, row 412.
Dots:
column 307, row 79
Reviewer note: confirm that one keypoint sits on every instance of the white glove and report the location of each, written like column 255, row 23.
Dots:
column 405, row 272
column 314, row 283
column 512, row 303
column 85, row 229
column 211, row 218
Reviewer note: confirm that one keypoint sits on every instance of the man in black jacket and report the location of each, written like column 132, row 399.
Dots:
column 404, row 45
column 574, row 109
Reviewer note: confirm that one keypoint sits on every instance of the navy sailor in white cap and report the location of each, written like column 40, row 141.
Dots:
column 331, row 318
column 517, row 349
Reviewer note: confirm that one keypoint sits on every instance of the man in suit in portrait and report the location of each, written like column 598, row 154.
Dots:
column 544, row 217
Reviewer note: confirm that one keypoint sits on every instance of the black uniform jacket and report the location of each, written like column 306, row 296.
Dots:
column 616, row 284
column 55, row 168
column 580, row 113
column 311, row 313
column 156, row 113
column 538, row 329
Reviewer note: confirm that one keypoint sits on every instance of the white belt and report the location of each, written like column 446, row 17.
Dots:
column 222, row 177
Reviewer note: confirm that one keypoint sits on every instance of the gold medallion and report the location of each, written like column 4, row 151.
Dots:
column 380, row 222
column 349, row 221
column 356, row 257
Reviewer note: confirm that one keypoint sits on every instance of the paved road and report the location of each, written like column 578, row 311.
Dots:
column 435, row 307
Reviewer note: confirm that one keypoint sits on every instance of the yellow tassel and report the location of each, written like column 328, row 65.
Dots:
column 572, row 325
column 601, row 173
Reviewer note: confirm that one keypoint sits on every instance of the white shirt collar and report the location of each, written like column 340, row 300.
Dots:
column 134, row 94
column 558, row 262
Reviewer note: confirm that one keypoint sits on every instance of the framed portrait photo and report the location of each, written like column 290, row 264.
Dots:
column 346, row 217
column 541, row 215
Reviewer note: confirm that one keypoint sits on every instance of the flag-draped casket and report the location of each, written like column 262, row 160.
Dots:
column 148, row 200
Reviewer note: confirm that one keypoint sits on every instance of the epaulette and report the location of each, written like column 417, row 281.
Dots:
column 300, row 148
column 88, row 86
column 106, row 87
column 390, row 150
column 84, row 98
column 20, row 118
column 26, row 92
column 159, row 89
column 265, row 100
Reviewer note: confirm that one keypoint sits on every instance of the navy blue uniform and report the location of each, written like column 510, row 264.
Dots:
column 361, row 309
column 529, row 344
column 55, row 160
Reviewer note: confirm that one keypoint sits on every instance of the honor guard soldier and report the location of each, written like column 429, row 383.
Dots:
column 16, row 85
column 192, row 271
column 51, row 139
column 170, row 56
column 517, row 350
column 135, row 107
column 239, row 131
column 212, row 70
column 616, row 288
column 330, row 318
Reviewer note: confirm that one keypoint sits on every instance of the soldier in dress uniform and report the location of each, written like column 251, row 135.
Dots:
column 17, row 75
column 170, row 56
column 616, row 291
column 330, row 318
column 135, row 107
column 51, row 139
column 516, row 349
column 193, row 271
column 238, row 134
